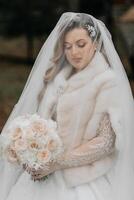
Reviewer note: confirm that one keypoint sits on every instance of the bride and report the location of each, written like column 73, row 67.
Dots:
column 78, row 80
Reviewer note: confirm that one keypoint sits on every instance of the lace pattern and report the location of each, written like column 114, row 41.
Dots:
column 97, row 148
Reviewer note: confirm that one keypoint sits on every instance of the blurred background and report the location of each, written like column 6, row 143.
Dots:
column 25, row 25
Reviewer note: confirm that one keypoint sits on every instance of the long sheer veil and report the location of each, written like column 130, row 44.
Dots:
column 124, row 171
column 123, row 174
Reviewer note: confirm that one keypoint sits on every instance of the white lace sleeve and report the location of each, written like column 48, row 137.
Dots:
column 100, row 146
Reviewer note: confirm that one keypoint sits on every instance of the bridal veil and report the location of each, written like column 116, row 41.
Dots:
column 123, row 174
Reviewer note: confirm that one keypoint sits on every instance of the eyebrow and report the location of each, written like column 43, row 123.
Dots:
column 76, row 41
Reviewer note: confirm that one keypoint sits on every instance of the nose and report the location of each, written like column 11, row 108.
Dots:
column 74, row 50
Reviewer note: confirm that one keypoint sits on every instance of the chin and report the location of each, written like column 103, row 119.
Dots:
column 78, row 67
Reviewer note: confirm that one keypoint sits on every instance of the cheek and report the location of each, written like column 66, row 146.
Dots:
column 67, row 55
column 88, row 47
column 89, row 50
column 86, row 51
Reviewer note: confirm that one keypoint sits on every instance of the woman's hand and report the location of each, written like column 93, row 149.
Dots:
column 51, row 167
column 40, row 173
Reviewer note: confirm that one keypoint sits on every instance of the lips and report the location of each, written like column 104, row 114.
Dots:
column 77, row 59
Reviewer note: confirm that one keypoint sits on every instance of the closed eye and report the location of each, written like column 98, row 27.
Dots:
column 67, row 46
column 81, row 45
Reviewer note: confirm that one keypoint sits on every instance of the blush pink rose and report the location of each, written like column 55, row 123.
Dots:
column 52, row 145
column 17, row 133
column 11, row 155
column 43, row 156
column 20, row 145
column 39, row 127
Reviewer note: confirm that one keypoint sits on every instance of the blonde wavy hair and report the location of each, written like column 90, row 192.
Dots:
column 59, row 58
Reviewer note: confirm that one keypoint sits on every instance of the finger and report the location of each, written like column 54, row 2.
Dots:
column 37, row 175
column 40, row 171
column 33, row 170
column 33, row 179
column 40, row 175
column 38, row 178
column 28, row 169
column 24, row 166
column 36, row 172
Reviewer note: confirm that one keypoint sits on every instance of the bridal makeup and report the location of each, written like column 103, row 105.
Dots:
column 78, row 48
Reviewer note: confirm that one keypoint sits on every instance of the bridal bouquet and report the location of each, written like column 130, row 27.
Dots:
column 32, row 140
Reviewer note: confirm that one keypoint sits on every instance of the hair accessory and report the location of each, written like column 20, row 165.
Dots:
column 91, row 30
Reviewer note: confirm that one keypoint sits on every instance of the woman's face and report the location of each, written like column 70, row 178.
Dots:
column 78, row 48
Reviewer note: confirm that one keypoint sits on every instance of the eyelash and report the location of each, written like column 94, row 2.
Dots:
column 80, row 46
column 67, row 47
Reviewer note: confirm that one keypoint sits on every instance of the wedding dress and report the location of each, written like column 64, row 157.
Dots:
column 55, row 186
column 16, row 184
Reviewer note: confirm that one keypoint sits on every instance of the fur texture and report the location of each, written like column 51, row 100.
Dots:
column 87, row 96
